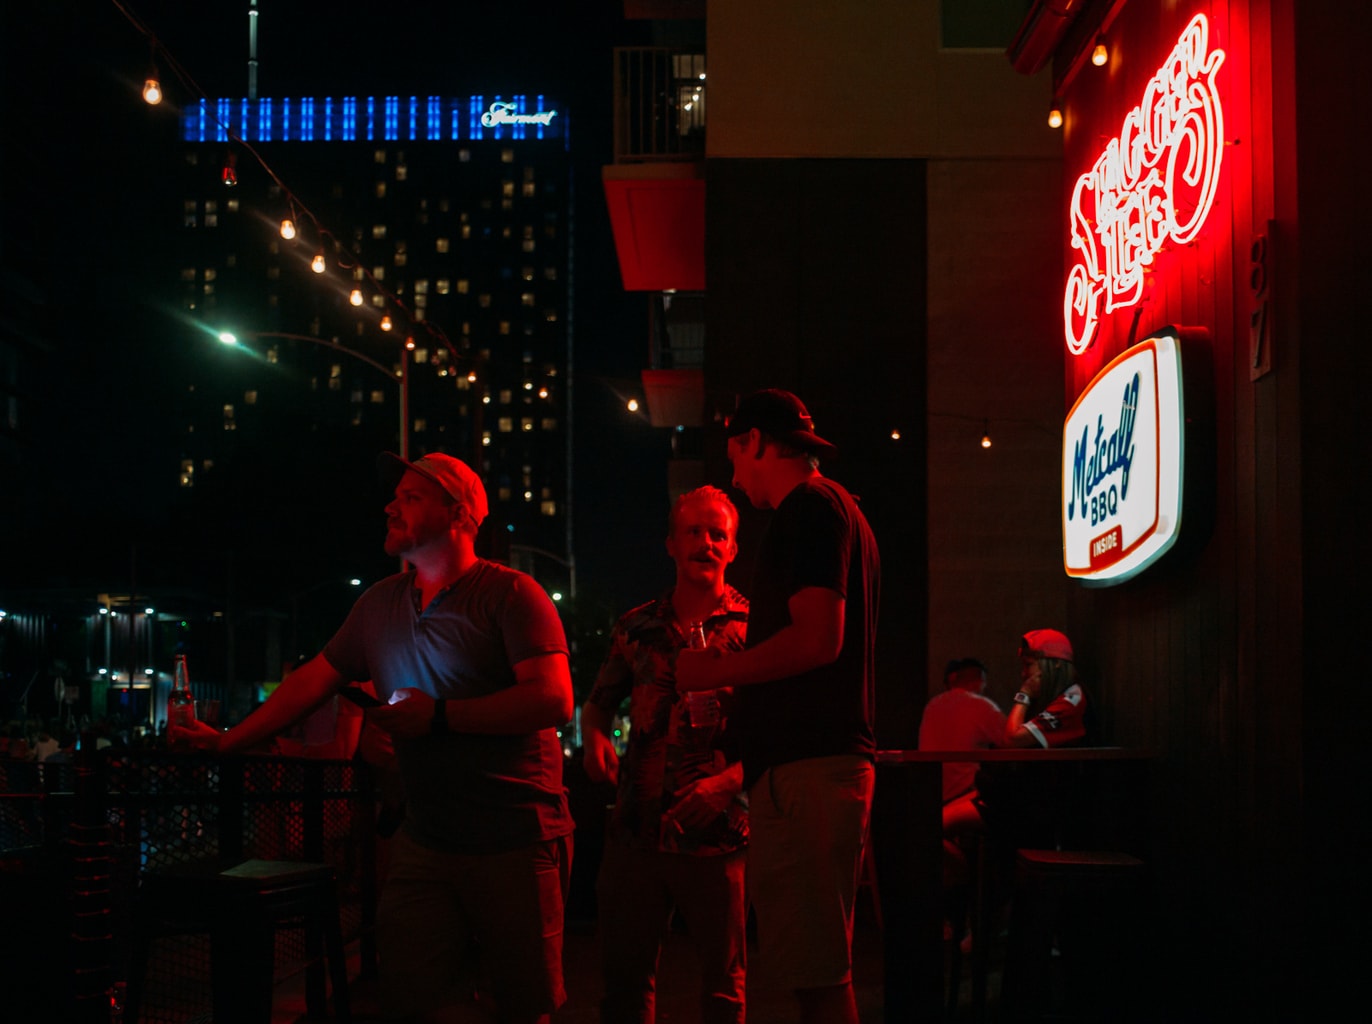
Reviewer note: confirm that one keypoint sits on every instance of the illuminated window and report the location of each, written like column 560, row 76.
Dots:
column 231, row 206
column 505, row 425
column 421, row 287
column 211, row 273
column 503, row 494
column 442, row 286
column 526, row 299
column 401, row 172
column 550, row 315
column 507, row 188
column 548, row 423
column 486, row 438
column 441, row 245
column 378, row 230
column 548, row 508
column 506, row 232
column 506, row 204
column 355, row 397
column 380, row 274
column 550, row 273
column 528, row 190
column 273, row 354
column 188, row 274
column 466, row 231
column 505, row 396
column 464, row 155
column 421, row 425
column 401, row 258
column 187, row 472
column 229, row 423
column 379, row 156
column 249, row 397
column 484, row 300
column 527, row 273
column 526, row 424
column 507, row 156
column 378, row 397
column 379, row 301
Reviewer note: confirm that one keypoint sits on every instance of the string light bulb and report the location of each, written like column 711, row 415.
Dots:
column 633, row 405
column 288, row 229
column 355, row 297
column 152, row 85
column 1100, row 54
column 229, row 175
column 986, row 434
column 318, row 264
column 1055, row 113
column 409, row 344
column 385, row 323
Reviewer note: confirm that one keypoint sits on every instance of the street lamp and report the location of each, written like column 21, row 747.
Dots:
column 402, row 375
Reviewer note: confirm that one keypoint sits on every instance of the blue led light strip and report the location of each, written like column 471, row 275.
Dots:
column 430, row 118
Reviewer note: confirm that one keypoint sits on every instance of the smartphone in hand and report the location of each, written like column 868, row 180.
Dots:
column 359, row 696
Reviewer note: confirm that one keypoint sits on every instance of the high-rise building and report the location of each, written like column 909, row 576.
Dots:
column 423, row 302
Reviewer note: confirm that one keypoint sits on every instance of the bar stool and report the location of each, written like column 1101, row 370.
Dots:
column 241, row 908
column 1077, row 934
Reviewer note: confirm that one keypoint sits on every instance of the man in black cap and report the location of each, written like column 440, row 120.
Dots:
column 472, row 660
column 805, row 693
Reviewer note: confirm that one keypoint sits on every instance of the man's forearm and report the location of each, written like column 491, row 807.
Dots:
column 299, row 693
column 790, row 651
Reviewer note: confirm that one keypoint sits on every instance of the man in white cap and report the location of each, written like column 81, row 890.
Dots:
column 471, row 658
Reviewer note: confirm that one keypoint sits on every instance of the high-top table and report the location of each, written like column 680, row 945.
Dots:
column 907, row 841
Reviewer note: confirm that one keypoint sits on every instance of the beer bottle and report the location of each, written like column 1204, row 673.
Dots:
column 180, row 703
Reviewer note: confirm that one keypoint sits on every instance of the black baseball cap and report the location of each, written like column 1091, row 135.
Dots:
column 780, row 415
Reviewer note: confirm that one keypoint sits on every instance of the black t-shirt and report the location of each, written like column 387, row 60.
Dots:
column 817, row 538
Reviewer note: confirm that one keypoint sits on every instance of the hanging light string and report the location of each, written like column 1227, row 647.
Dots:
column 299, row 212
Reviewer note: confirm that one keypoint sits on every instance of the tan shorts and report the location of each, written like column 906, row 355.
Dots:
column 452, row 925
column 808, row 824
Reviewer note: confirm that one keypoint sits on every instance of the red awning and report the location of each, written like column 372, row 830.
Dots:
column 657, row 212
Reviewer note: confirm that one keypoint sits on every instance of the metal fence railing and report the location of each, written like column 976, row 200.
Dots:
column 659, row 104
column 120, row 816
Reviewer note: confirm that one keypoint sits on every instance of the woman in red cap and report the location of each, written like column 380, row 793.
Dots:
column 1046, row 671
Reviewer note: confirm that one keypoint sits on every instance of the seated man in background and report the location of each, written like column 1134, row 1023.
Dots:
column 960, row 718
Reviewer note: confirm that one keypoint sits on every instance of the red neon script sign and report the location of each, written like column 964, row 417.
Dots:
column 1152, row 185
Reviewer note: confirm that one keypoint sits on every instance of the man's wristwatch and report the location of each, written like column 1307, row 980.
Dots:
column 1023, row 698
column 439, row 725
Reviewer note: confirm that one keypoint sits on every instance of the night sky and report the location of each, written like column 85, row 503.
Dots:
column 83, row 158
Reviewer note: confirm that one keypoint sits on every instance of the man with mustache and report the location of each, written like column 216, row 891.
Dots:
column 680, row 822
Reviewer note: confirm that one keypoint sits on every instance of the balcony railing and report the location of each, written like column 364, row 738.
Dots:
column 659, row 105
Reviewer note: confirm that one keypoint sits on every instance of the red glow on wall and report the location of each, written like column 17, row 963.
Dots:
column 1153, row 185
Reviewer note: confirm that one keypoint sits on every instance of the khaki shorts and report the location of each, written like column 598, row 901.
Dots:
column 808, row 824
column 450, row 926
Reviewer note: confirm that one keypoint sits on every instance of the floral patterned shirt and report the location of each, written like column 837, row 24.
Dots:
column 665, row 754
